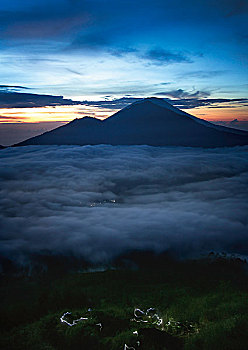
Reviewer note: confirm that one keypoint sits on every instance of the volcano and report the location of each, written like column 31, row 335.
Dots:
column 151, row 121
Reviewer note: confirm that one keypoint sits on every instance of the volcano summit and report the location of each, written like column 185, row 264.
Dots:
column 151, row 121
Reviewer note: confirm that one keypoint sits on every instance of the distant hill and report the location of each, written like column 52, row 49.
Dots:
column 2, row 147
column 151, row 121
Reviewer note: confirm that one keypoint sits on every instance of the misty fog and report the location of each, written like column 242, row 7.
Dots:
column 97, row 202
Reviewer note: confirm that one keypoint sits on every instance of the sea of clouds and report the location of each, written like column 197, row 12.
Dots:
column 97, row 202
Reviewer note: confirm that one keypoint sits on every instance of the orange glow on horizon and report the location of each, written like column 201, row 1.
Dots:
column 52, row 114
column 68, row 113
column 223, row 114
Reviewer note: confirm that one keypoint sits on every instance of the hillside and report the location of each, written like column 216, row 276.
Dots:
column 151, row 121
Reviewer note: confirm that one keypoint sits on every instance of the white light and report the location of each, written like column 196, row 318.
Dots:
column 126, row 347
column 74, row 322
column 153, row 318
column 100, row 325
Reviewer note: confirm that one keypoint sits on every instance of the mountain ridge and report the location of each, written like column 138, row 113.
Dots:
column 151, row 121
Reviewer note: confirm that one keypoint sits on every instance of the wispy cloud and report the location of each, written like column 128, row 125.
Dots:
column 160, row 56
column 12, row 88
column 202, row 74
column 180, row 93
column 210, row 102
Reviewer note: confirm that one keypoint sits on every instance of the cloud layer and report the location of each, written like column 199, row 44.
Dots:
column 181, row 99
column 97, row 202
column 10, row 99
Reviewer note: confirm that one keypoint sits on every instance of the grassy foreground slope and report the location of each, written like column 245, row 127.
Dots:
column 202, row 304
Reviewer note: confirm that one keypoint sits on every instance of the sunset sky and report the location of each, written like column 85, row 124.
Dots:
column 64, row 59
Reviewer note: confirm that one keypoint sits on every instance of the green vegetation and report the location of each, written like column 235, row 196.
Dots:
column 203, row 305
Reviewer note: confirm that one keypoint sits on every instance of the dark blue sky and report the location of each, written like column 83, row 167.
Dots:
column 96, row 50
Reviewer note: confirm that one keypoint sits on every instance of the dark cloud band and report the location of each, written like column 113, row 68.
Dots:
column 23, row 100
column 193, row 100
column 181, row 99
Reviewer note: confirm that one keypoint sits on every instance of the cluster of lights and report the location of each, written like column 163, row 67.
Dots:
column 95, row 204
column 76, row 321
column 148, row 316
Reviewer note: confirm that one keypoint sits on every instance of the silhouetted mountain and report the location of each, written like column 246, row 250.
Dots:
column 2, row 147
column 151, row 121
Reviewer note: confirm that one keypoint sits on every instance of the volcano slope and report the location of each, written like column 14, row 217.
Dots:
column 151, row 121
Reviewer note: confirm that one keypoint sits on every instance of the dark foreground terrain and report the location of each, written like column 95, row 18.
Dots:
column 195, row 305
